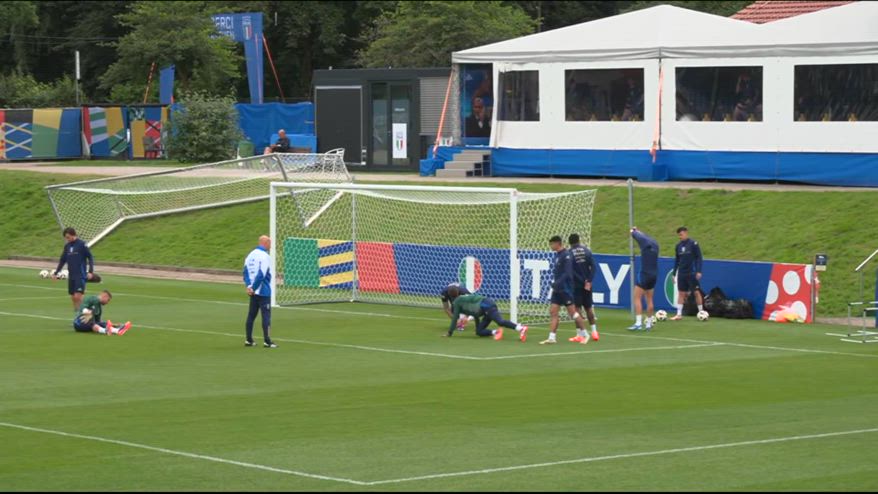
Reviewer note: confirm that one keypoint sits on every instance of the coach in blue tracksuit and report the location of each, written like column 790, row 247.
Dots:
column 80, row 266
column 257, row 278
column 687, row 268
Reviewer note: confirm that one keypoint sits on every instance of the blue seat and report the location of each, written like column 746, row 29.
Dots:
column 274, row 138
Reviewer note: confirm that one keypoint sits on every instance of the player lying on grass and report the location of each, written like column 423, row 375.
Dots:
column 88, row 318
column 446, row 304
column 484, row 310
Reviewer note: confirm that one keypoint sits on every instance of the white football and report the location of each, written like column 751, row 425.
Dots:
column 661, row 316
column 62, row 274
column 652, row 320
column 703, row 315
column 44, row 273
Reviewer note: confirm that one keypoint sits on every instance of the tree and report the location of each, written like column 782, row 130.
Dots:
column 424, row 34
column 555, row 14
column 177, row 32
column 15, row 19
column 205, row 130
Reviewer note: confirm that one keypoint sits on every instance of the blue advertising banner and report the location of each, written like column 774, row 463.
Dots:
column 769, row 287
column 166, row 85
column 246, row 28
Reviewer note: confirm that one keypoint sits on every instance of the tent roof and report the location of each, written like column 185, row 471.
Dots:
column 666, row 31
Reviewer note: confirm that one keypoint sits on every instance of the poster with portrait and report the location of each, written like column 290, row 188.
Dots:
column 477, row 103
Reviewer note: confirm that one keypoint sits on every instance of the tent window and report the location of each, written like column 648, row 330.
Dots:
column 714, row 94
column 520, row 96
column 836, row 93
column 603, row 95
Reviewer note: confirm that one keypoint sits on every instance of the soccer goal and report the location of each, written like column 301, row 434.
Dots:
column 95, row 207
column 402, row 245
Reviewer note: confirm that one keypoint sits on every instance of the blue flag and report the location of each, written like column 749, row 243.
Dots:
column 246, row 28
column 166, row 85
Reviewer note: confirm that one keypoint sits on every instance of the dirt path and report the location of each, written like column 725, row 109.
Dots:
column 160, row 272
column 57, row 168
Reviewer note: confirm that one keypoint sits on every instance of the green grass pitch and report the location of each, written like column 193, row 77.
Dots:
column 366, row 397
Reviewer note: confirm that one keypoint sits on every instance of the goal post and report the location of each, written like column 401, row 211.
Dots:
column 96, row 207
column 402, row 244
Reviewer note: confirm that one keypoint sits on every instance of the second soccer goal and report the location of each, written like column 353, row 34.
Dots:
column 402, row 245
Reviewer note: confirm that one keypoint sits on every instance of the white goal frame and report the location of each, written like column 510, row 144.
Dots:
column 512, row 194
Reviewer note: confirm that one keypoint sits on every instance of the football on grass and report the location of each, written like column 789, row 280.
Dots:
column 703, row 315
column 661, row 316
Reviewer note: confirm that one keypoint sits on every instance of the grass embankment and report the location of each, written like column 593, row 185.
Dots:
column 744, row 225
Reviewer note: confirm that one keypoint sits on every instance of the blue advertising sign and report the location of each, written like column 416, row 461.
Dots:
column 246, row 28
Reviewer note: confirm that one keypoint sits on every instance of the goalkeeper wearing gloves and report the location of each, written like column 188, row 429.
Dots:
column 446, row 304
column 484, row 310
column 88, row 317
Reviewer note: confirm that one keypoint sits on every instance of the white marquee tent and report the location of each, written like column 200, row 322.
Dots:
column 659, row 41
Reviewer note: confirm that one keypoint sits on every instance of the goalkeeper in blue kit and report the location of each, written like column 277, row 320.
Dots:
column 485, row 311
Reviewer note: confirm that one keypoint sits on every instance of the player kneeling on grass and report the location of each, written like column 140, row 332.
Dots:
column 88, row 318
column 446, row 304
column 484, row 310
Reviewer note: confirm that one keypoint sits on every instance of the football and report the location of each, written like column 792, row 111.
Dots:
column 44, row 273
column 703, row 315
column 62, row 274
column 661, row 316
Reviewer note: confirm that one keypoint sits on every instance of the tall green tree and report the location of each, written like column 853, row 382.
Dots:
column 176, row 32
column 553, row 14
column 424, row 34
column 16, row 19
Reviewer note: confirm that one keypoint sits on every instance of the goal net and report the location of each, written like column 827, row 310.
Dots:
column 403, row 244
column 95, row 207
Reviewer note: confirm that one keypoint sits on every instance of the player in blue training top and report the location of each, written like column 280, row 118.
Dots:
column 447, row 300
column 80, row 266
column 562, row 292
column 687, row 269
column 646, row 278
column 584, row 269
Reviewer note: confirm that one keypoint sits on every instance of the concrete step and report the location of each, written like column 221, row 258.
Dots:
column 460, row 165
column 446, row 173
column 472, row 155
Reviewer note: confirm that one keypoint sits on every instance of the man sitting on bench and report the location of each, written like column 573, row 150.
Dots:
column 281, row 146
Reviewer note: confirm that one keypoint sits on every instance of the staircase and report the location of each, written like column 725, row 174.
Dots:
column 467, row 163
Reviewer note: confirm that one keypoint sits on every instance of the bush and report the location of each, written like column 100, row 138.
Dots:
column 19, row 90
column 205, row 129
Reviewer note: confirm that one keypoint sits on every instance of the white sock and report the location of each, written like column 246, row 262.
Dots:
column 639, row 319
column 580, row 332
column 551, row 336
column 102, row 331
column 113, row 330
column 493, row 331
column 700, row 308
column 594, row 327
column 679, row 309
column 518, row 327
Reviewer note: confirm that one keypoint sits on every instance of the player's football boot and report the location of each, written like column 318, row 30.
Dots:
column 635, row 327
column 498, row 334
column 109, row 325
column 585, row 339
column 522, row 335
column 595, row 335
column 249, row 343
column 269, row 344
column 575, row 339
column 547, row 342
column 124, row 329
column 677, row 317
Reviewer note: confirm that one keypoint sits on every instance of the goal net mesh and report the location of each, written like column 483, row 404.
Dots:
column 95, row 207
column 383, row 245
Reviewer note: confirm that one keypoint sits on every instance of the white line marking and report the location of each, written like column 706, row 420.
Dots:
column 386, row 350
column 621, row 456
column 183, row 453
column 612, row 350
column 374, row 314
column 26, row 298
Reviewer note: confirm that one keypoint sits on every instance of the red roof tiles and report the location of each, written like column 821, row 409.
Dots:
column 772, row 10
